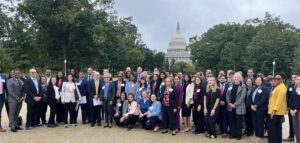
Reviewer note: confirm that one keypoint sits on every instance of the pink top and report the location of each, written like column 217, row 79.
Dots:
column 133, row 109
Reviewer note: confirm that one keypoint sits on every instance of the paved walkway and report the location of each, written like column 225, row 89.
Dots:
column 86, row 134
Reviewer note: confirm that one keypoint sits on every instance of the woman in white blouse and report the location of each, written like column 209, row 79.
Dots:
column 69, row 98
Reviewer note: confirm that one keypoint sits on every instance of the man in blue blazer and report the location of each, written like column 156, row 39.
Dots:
column 223, row 118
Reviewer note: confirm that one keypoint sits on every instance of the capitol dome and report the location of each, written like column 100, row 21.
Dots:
column 177, row 50
column 177, row 41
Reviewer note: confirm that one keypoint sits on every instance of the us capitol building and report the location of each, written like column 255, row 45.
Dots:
column 177, row 48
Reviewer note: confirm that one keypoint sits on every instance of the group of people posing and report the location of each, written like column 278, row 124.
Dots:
column 226, row 104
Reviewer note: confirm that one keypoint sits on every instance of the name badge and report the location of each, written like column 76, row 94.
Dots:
column 119, row 104
column 162, row 83
column 151, row 108
column 78, row 83
column 198, row 90
column 103, row 87
column 259, row 91
column 140, row 89
column 229, row 88
column 133, row 85
column 170, row 89
column 122, row 84
column 290, row 89
column 3, row 80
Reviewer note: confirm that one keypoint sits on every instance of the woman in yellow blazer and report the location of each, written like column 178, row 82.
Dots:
column 277, row 109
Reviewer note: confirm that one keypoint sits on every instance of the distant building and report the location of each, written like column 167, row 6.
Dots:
column 177, row 49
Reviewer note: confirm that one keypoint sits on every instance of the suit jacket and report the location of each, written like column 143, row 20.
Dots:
column 172, row 98
column 261, row 98
column 111, row 92
column 291, row 88
column 16, row 89
column 125, row 107
column 277, row 100
column 198, row 96
column 92, row 89
column 223, row 97
column 189, row 93
column 51, row 94
column 4, row 80
column 156, row 87
column 240, row 108
column 83, row 86
column 122, row 86
column 31, row 91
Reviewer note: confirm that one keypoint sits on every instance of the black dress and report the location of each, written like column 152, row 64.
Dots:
column 186, row 111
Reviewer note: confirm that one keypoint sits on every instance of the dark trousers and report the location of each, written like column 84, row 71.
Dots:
column 152, row 122
column 291, row 129
column 70, row 109
column 42, row 112
column 223, row 119
column 248, row 121
column 1, row 106
column 60, row 117
column 198, row 120
column 131, row 119
column 6, row 104
column 117, row 120
column 52, row 106
column 143, row 121
column 235, row 124
column 32, row 118
column 108, row 110
column 94, row 113
column 275, row 129
column 168, row 118
column 84, row 112
column 258, row 118
column 210, row 122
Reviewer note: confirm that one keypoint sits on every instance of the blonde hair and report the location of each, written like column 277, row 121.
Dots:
column 212, row 88
column 107, row 74
column 240, row 75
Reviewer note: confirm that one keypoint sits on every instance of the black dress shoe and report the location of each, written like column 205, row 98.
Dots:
column 14, row 130
column 92, row 125
column 19, row 128
column 99, row 124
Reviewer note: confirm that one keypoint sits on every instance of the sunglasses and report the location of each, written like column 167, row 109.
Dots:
column 277, row 78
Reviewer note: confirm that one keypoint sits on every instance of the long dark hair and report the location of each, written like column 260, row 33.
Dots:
column 146, row 84
column 63, row 77
column 189, row 81
column 50, row 83
column 263, row 82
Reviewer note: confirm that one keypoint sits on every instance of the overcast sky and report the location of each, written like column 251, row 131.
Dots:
column 156, row 19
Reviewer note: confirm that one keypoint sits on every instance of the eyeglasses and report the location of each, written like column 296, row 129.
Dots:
column 277, row 78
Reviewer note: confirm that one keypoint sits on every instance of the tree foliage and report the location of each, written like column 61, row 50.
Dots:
column 84, row 32
column 256, row 43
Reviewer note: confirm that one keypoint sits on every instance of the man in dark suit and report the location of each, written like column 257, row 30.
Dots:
column 15, row 86
column 33, row 90
column 3, row 91
column 119, row 86
column 138, row 74
column 223, row 118
column 81, row 82
column 94, row 93
column 290, row 90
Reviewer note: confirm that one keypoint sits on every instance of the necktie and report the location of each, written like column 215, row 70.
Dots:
column 97, row 86
column 222, row 89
